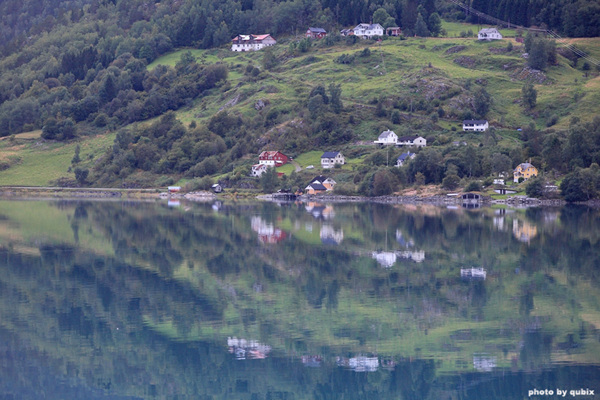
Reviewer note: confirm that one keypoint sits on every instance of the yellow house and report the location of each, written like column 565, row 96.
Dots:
column 525, row 171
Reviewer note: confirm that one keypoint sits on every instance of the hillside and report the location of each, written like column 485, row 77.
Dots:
column 277, row 99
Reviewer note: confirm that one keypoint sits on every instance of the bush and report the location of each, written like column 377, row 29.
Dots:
column 473, row 186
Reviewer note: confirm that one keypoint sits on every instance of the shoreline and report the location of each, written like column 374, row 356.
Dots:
column 157, row 194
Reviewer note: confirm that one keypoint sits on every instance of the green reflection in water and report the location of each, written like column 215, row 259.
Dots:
column 150, row 301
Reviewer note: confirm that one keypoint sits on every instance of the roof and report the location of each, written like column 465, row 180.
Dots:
column 251, row 37
column 368, row 26
column 525, row 165
column 386, row 134
column 320, row 179
column 317, row 186
column 404, row 156
column 489, row 30
column 317, row 30
column 408, row 138
column 330, row 154
column 474, row 122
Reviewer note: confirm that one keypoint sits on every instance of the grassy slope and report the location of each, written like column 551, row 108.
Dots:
column 395, row 68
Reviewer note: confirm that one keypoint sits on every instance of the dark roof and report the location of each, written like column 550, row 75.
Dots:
column 317, row 186
column 317, row 30
column 320, row 178
column 330, row 154
column 405, row 138
column 404, row 156
column 474, row 122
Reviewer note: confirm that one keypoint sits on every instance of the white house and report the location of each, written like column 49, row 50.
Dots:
column 489, row 34
column 259, row 169
column 330, row 158
column 475, row 125
column 417, row 141
column 387, row 137
column 404, row 157
column 251, row 42
column 368, row 30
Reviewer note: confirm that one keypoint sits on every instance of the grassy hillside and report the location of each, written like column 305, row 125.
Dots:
column 414, row 86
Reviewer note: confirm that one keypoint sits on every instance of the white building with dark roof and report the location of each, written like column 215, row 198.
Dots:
column 476, row 125
column 489, row 34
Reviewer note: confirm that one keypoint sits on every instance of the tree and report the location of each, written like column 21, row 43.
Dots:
column 269, row 60
column 577, row 186
column 335, row 93
column 383, row 183
column 81, row 175
column 538, row 57
column 76, row 157
column 435, row 24
column 535, row 187
column 482, row 102
column 421, row 27
column 529, row 95
column 380, row 16
column 269, row 180
column 315, row 106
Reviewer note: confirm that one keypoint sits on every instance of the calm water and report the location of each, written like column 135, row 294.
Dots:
column 119, row 300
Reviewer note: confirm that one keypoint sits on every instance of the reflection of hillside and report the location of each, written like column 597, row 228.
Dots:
column 158, row 311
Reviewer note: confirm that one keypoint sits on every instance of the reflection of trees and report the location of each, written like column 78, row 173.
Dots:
column 202, row 275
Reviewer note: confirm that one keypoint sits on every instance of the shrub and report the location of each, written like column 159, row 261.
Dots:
column 473, row 186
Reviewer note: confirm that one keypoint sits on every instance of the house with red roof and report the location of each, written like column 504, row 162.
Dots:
column 273, row 158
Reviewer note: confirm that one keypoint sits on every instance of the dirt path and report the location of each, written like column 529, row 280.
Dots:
column 295, row 164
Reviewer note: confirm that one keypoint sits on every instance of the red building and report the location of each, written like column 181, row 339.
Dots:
column 272, row 158
column 316, row 33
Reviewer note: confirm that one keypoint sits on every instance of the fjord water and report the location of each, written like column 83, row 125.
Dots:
column 134, row 300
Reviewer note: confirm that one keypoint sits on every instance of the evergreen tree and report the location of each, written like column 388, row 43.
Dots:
column 421, row 27
column 482, row 102
column 529, row 95
column 335, row 93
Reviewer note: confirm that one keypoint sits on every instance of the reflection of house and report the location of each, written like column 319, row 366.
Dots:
column 330, row 236
column 385, row 258
column 244, row 349
column 489, row 34
column 251, row 42
column 416, row 256
column 484, row 362
column 473, row 273
column 360, row 363
column 267, row 233
column 402, row 241
column 319, row 210
column 523, row 230
column 525, row 171
column 312, row 361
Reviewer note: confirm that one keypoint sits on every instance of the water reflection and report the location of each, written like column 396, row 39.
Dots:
column 137, row 300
